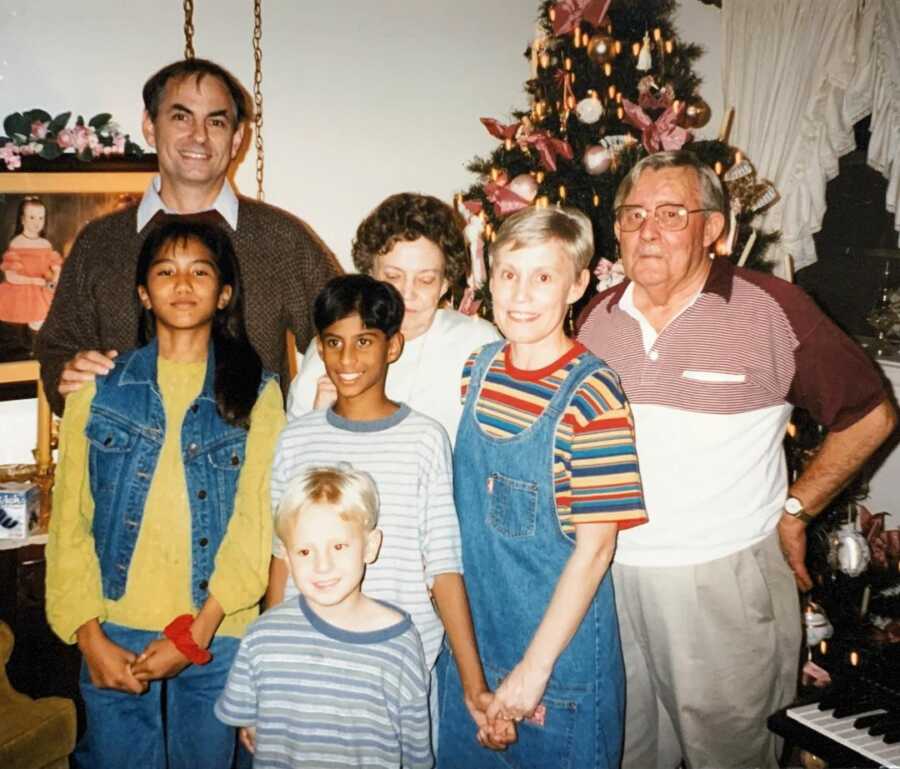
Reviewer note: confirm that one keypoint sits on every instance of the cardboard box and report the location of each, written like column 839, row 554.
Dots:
column 20, row 505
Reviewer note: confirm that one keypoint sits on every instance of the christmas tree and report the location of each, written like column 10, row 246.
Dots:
column 610, row 82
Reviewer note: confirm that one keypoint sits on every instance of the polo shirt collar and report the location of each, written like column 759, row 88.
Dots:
column 226, row 204
column 719, row 282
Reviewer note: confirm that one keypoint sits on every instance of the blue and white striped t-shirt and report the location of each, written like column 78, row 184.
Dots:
column 322, row 696
column 408, row 455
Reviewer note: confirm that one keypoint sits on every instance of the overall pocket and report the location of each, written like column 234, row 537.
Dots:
column 512, row 506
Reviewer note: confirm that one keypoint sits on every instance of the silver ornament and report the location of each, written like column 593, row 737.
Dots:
column 597, row 159
column 589, row 110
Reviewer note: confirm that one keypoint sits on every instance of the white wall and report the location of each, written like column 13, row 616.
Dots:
column 362, row 98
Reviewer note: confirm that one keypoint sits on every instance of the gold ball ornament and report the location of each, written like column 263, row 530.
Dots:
column 696, row 113
column 601, row 49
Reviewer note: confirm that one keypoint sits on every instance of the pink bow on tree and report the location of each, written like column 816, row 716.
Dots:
column 664, row 133
column 548, row 148
column 500, row 130
column 504, row 199
column 568, row 13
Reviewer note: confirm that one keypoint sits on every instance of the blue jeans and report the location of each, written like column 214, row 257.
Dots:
column 126, row 730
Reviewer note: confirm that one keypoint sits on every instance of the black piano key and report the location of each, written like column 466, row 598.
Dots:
column 856, row 707
column 892, row 737
column 866, row 721
column 884, row 724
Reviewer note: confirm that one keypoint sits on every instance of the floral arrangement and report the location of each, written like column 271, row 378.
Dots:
column 35, row 132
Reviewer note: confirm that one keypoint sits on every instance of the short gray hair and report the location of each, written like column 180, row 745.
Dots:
column 352, row 491
column 534, row 226
column 712, row 196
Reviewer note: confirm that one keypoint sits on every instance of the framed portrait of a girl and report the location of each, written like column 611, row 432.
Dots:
column 43, row 207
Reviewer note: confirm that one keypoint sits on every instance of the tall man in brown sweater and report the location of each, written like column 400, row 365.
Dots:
column 195, row 116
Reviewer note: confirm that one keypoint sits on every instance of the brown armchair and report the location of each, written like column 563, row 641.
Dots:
column 34, row 734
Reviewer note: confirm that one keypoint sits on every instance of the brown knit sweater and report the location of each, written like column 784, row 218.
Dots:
column 283, row 267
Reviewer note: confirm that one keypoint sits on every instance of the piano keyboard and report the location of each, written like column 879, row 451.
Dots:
column 843, row 731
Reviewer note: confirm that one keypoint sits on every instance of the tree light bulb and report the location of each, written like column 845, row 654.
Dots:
column 607, row 69
column 670, row 46
column 562, row 191
column 596, row 200
column 657, row 34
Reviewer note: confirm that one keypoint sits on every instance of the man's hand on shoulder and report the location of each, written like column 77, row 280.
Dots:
column 792, row 537
column 81, row 369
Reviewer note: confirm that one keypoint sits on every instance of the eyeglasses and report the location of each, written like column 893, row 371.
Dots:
column 668, row 216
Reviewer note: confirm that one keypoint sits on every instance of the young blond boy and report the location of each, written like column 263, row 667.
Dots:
column 332, row 677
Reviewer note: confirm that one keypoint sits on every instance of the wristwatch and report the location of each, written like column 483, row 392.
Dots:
column 794, row 508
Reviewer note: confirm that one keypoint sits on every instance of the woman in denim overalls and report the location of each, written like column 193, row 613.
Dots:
column 541, row 600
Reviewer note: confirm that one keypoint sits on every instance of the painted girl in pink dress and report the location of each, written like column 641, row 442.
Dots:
column 30, row 268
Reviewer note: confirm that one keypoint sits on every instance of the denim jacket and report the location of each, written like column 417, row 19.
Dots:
column 126, row 431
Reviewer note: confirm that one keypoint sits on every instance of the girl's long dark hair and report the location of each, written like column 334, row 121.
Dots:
column 238, row 366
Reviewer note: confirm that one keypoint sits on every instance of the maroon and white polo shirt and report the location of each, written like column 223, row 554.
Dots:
column 712, row 394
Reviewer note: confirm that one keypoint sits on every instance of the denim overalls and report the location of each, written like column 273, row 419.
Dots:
column 513, row 554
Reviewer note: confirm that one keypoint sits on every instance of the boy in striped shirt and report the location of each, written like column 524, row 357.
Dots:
column 334, row 677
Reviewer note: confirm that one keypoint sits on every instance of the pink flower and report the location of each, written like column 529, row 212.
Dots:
column 119, row 144
column 10, row 155
column 82, row 135
column 65, row 138
column 39, row 129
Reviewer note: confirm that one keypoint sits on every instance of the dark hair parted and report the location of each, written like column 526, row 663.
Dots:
column 199, row 68
column 408, row 216
column 238, row 366
column 378, row 304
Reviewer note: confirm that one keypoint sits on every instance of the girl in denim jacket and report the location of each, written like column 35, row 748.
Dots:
column 160, row 536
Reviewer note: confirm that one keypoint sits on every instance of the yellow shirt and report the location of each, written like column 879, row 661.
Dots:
column 159, row 576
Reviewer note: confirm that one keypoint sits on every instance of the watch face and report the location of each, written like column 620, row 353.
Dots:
column 793, row 506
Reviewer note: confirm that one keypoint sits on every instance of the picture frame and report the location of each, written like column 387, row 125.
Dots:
column 61, row 196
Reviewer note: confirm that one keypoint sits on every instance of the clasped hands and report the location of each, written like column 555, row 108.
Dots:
column 113, row 667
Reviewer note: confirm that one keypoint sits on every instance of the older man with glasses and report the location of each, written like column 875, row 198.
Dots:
column 713, row 359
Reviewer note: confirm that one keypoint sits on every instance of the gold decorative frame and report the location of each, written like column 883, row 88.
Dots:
column 65, row 177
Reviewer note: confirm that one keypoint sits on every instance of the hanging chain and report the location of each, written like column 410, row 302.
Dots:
column 188, row 29
column 257, row 96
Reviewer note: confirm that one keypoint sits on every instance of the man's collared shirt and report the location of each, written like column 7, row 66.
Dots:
column 711, row 396
column 226, row 204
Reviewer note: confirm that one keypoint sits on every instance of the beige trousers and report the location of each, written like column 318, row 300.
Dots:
column 711, row 650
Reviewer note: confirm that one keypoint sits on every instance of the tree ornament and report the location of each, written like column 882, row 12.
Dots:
column 589, row 110
column 645, row 60
column 597, row 159
column 818, row 628
column 849, row 551
column 525, row 186
column 601, row 49
column 696, row 113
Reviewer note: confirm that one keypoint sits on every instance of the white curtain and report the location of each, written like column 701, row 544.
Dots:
column 799, row 74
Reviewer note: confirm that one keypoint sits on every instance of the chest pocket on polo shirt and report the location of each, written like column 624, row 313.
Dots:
column 512, row 506
column 713, row 377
